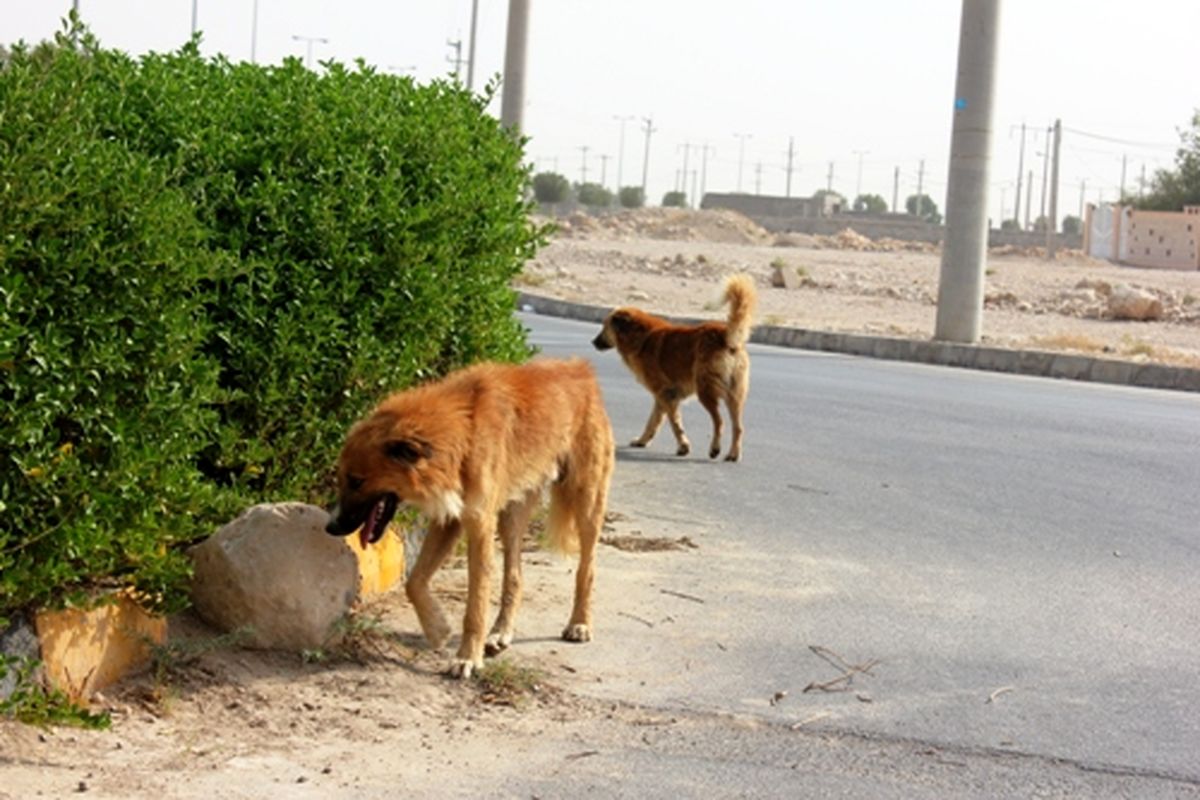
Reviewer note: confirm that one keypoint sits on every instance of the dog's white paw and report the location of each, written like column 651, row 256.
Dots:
column 497, row 643
column 577, row 633
column 461, row 668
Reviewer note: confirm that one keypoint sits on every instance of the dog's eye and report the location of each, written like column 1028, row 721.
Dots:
column 354, row 483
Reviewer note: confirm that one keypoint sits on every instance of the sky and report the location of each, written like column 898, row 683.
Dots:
column 866, row 86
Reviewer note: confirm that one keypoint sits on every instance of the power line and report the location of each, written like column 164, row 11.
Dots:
column 1128, row 142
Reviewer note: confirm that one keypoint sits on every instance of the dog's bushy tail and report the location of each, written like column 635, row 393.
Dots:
column 742, row 298
column 561, row 533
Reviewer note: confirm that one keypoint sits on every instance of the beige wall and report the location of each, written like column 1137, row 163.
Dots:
column 1154, row 239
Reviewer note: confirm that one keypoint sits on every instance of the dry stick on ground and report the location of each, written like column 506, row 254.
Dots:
column 642, row 620
column 674, row 593
column 842, row 682
column 1002, row 690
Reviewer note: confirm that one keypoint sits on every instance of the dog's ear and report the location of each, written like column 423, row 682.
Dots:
column 407, row 451
column 620, row 321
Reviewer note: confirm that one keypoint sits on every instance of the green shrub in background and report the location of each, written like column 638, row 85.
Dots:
column 550, row 187
column 593, row 194
column 209, row 270
column 631, row 197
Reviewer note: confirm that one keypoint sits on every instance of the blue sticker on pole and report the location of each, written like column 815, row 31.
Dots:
column 960, row 104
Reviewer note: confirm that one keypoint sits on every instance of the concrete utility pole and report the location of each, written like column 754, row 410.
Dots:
column 1028, row 198
column 1045, row 171
column 1142, row 182
column 1020, row 174
column 896, row 191
column 1082, row 195
column 758, row 178
column 1052, row 222
column 921, row 189
column 254, row 34
column 687, row 148
column 829, row 179
column 964, row 252
column 512, row 95
column 704, row 170
column 583, row 170
column 649, row 129
column 858, row 182
column 742, row 137
column 791, row 147
column 621, row 148
column 195, row 16
column 603, row 168
column 471, row 46
column 1124, row 161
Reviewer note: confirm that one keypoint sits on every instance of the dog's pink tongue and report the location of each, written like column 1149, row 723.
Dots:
column 364, row 533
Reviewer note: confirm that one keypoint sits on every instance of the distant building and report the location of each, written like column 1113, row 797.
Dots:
column 1154, row 239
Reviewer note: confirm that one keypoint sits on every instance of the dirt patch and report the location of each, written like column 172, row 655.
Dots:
column 856, row 285
column 648, row 544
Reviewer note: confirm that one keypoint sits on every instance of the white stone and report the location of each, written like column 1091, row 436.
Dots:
column 275, row 573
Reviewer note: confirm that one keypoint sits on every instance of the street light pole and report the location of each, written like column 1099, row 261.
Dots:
column 195, row 3
column 308, row 41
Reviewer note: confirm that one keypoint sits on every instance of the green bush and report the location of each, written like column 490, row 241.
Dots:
column 550, row 187
column 593, row 194
column 674, row 199
column 631, row 197
column 209, row 270
column 103, row 387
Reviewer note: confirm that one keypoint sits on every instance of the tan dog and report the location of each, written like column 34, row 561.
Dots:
column 674, row 362
column 473, row 452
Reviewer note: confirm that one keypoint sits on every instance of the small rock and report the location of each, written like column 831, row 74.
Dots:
column 784, row 277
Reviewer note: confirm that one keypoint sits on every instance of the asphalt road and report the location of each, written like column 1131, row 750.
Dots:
column 1020, row 556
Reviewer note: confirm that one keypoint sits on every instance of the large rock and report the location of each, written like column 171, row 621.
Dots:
column 1127, row 302
column 274, row 572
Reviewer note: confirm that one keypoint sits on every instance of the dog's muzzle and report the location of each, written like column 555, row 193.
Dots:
column 601, row 343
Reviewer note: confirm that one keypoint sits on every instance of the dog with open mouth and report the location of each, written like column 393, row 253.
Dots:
column 474, row 453
column 676, row 361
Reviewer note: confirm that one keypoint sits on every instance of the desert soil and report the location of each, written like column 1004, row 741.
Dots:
column 375, row 717
column 672, row 262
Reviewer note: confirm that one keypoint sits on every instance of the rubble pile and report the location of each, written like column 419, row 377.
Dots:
column 673, row 224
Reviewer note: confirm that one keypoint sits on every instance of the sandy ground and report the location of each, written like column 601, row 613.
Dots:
column 377, row 718
column 672, row 262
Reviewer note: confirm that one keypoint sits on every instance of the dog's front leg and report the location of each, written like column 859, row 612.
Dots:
column 480, row 529
column 439, row 542
column 656, row 417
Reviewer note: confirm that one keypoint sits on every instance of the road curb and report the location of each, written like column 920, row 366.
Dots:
column 1037, row 363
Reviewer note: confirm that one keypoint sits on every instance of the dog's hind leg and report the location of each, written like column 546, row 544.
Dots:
column 514, row 520
column 588, row 497
column 652, row 425
column 735, row 399
column 709, row 398
column 439, row 542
